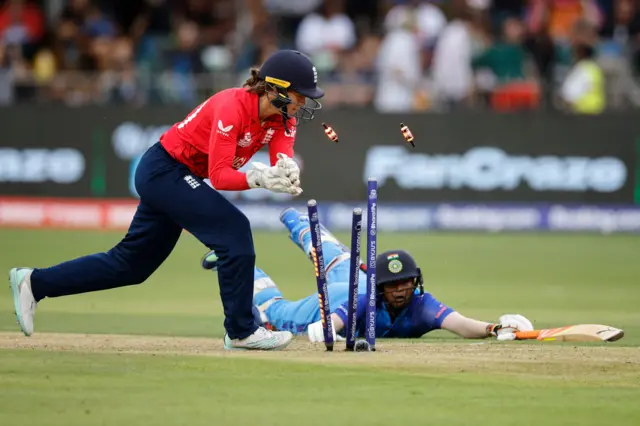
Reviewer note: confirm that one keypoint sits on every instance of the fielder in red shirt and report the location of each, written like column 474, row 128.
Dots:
column 215, row 140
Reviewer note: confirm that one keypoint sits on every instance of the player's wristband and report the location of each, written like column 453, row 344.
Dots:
column 492, row 329
column 342, row 314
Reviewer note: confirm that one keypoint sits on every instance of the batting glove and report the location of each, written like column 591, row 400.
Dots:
column 272, row 178
column 316, row 333
column 508, row 325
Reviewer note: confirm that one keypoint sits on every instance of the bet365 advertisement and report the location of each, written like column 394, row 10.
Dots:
column 469, row 158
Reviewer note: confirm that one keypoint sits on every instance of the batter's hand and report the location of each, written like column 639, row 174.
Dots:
column 509, row 324
column 289, row 167
column 272, row 178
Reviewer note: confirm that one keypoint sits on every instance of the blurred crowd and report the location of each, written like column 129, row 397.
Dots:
column 396, row 55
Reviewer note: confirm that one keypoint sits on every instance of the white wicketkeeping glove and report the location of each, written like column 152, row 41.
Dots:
column 289, row 167
column 510, row 323
column 316, row 333
column 272, row 178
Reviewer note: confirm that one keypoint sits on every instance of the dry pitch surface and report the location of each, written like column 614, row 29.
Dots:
column 602, row 364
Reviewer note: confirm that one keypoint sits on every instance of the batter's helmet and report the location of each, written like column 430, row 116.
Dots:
column 397, row 265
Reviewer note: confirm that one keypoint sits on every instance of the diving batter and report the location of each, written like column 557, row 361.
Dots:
column 404, row 308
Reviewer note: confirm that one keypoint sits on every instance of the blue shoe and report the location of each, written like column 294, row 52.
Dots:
column 291, row 217
column 298, row 226
column 261, row 340
column 24, row 304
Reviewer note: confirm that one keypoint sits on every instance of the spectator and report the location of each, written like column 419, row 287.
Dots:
column 509, row 84
column 95, row 39
column 134, row 51
column 150, row 30
column 451, row 70
column 21, row 24
column 556, row 18
column 618, row 53
column 365, row 14
column 505, row 58
column 214, row 18
column 285, row 15
column 326, row 34
column 430, row 20
column 399, row 67
column 44, row 62
column 153, row 20
column 118, row 83
column 262, row 43
column 583, row 89
column 75, row 13
column 21, row 29
column 562, row 15
column 182, row 63
column 97, row 24
column 543, row 52
column 70, row 44
column 353, row 81
column 504, row 9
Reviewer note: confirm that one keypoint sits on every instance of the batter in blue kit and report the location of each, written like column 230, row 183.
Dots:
column 404, row 309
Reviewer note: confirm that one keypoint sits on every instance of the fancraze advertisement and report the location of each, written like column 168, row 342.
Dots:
column 474, row 158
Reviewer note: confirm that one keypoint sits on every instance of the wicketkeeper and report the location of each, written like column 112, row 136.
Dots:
column 215, row 140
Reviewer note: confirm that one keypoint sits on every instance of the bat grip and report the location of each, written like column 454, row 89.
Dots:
column 527, row 335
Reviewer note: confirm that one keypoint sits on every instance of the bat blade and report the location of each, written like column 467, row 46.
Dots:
column 574, row 333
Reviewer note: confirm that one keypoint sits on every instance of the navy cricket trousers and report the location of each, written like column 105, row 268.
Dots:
column 171, row 199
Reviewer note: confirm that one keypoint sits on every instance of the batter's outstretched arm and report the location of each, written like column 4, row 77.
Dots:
column 436, row 315
column 473, row 329
column 466, row 327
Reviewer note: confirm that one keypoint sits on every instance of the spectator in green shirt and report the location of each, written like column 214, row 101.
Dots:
column 506, row 57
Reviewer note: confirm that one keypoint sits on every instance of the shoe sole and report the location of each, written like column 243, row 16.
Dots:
column 15, row 284
column 278, row 348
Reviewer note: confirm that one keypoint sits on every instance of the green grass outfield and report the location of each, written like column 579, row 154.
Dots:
column 151, row 354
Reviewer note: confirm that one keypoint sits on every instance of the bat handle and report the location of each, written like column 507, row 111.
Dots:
column 527, row 335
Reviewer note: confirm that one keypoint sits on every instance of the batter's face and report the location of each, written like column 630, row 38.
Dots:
column 398, row 294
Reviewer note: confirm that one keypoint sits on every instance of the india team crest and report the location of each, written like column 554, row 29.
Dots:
column 395, row 266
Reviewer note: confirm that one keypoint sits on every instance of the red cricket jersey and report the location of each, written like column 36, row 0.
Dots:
column 222, row 134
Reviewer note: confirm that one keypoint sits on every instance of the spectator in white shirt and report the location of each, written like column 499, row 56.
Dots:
column 430, row 20
column 451, row 68
column 326, row 33
column 399, row 67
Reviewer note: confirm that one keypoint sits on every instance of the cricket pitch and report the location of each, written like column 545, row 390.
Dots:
column 541, row 359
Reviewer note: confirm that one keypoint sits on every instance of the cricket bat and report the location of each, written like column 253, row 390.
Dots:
column 573, row 333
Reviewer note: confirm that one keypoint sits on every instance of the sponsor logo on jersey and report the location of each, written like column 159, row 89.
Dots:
column 224, row 130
